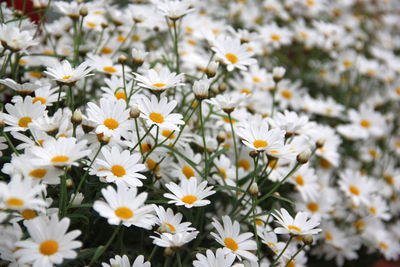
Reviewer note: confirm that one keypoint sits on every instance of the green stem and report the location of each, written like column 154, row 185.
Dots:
column 236, row 153
column 179, row 259
column 152, row 253
column 254, row 199
column 204, row 139
column 176, row 46
column 63, row 193
column 294, row 256
column 283, row 251
column 10, row 144
column 103, row 249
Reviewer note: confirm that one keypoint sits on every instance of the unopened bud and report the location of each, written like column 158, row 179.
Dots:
column 278, row 73
column 169, row 252
column 103, row 139
column 69, row 182
column 104, row 24
column 83, row 11
column 76, row 118
column 200, row 88
column 158, row 176
column 320, row 143
column 138, row 56
column 87, row 128
column 221, row 137
column 222, row 87
column 308, row 239
column 134, row 112
column 253, row 190
column 304, row 156
column 212, row 68
column 78, row 199
column 253, row 153
column 122, row 59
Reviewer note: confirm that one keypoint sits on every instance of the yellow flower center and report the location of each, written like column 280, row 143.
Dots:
column 111, row 124
column 136, row 38
column 286, row 94
column 66, row 77
column 106, row 50
column 171, row 227
column 292, row 227
column 256, row 79
column 110, row 69
column 354, row 190
column 245, row 164
column 91, row 24
column 245, row 91
column 260, row 144
column 325, row 164
column 124, row 213
column 38, row 173
column 121, row 38
column 48, row 247
column 365, row 123
column 118, row 170
column 28, row 214
column 59, row 159
column 303, row 35
column 383, row 245
column 36, row 74
column 146, row 147
column 312, row 206
column 120, row 95
column 359, row 224
column 310, row 2
column 15, row 202
column 41, row 99
column 231, row 58
column 275, row 37
column 299, row 180
column 159, row 85
column 347, row 63
column 328, row 236
column 372, row 210
column 189, row 29
column 389, row 179
column 187, row 171
column 189, row 199
column 168, row 134
column 223, row 172
column 152, row 164
column 231, row 244
column 24, row 121
column 156, row 117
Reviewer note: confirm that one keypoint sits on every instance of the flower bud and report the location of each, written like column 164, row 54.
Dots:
column 308, row 239
column 104, row 24
column 212, row 68
column 158, row 176
column 76, row 118
column 278, row 73
column 134, row 112
column 78, row 199
column 253, row 189
column 221, row 137
column 103, row 139
column 320, row 143
column 69, row 182
column 304, row 156
column 122, row 59
column 169, row 252
column 222, row 87
column 83, row 11
column 138, row 56
column 200, row 88
column 253, row 153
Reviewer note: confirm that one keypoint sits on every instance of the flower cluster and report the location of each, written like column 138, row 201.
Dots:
column 199, row 133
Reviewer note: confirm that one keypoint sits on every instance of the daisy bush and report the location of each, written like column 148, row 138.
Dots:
column 199, row 133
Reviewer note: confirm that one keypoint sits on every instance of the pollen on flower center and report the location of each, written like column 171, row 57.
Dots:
column 189, row 199
column 260, row 144
column 24, row 121
column 156, row 117
column 28, row 214
column 245, row 164
column 231, row 57
column 41, row 99
column 124, row 213
column 120, row 95
column 38, row 173
column 299, row 180
column 66, row 77
column 48, row 247
column 231, row 244
column 187, row 171
column 109, row 69
column 286, row 94
column 313, row 206
column 372, row 210
column 168, row 134
column 59, row 159
column 275, row 37
column 365, row 123
column 171, row 227
column 111, row 124
column 292, row 227
column 159, row 85
column 15, row 202
column 354, row 190
column 118, row 170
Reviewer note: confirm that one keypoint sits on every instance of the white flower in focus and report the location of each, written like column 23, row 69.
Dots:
column 170, row 222
column 177, row 240
column 174, row 9
column 124, row 262
column 300, row 225
column 63, row 73
column 159, row 81
column 220, row 259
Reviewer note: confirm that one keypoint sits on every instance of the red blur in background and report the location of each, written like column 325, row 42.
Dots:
column 29, row 9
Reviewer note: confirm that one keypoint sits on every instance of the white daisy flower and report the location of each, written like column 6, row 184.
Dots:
column 159, row 112
column 21, row 114
column 176, row 240
column 159, row 81
column 63, row 73
column 20, row 194
column 106, row 65
column 359, row 188
column 111, row 117
column 229, row 236
column 59, row 153
column 174, row 9
column 124, row 262
column 189, row 193
column 300, row 225
column 227, row 102
column 232, row 53
column 3, row 146
column 170, row 222
column 49, row 242
column 220, row 259
column 24, row 88
column 125, row 206
column 120, row 167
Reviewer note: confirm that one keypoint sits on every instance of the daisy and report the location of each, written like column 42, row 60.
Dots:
column 227, row 102
column 59, row 153
column 49, row 242
column 159, row 81
column 232, row 53
column 115, row 88
column 229, row 236
column 220, row 259
column 174, row 9
column 170, row 222
column 20, row 194
column 106, row 65
column 21, row 114
column 124, row 262
column 111, row 117
column 159, row 112
column 63, row 73
column 120, row 167
column 24, row 88
column 290, row 122
column 15, row 39
column 300, row 225
column 359, row 188
column 125, row 206
column 3, row 146
column 189, row 193
column 168, row 240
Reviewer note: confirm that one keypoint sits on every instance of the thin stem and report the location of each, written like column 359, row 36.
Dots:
column 283, row 251
column 179, row 259
column 138, row 137
column 204, row 139
column 176, row 46
column 294, row 256
column 10, row 144
column 104, row 248
column 236, row 153
column 63, row 193
column 152, row 253
column 59, row 96
column 254, row 200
